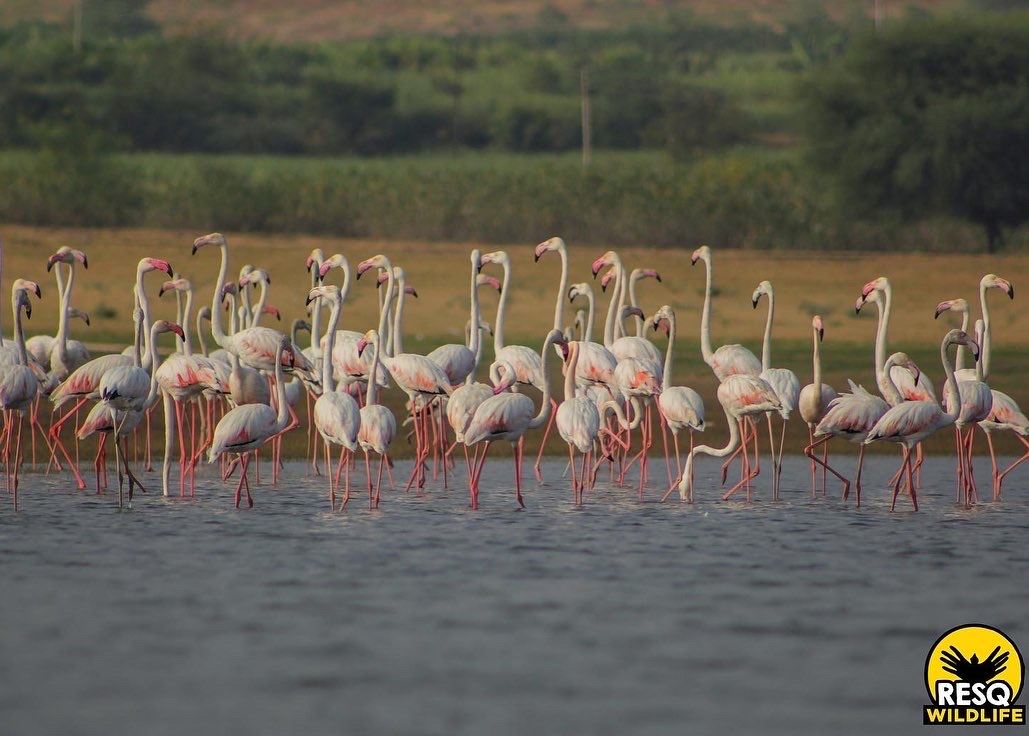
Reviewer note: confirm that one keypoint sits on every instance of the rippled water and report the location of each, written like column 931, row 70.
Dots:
column 423, row 617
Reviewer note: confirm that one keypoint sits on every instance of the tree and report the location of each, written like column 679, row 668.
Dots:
column 930, row 116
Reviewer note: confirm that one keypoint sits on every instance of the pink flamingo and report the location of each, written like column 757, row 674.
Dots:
column 508, row 416
column 814, row 402
column 578, row 423
column 64, row 355
column 912, row 421
column 183, row 377
column 246, row 428
column 853, row 414
column 630, row 346
column 976, row 403
column 336, row 415
column 680, row 406
column 416, row 375
column 378, row 425
column 741, row 396
column 459, row 361
column 126, row 389
column 18, row 384
column 83, row 383
column 728, row 360
column 782, row 380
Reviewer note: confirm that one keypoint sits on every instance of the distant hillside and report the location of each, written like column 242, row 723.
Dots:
column 321, row 20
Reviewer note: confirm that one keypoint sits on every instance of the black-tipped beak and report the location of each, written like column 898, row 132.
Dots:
column 86, row 320
column 755, row 301
column 160, row 292
column 414, row 293
column 535, row 257
column 194, row 250
column 1011, row 291
column 693, row 261
column 821, row 335
column 28, row 311
column 39, row 292
column 49, row 265
column 85, row 262
column 309, row 300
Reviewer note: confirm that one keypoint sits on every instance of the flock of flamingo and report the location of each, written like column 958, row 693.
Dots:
column 230, row 402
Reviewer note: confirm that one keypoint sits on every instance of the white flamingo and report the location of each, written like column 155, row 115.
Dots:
column 814, row 402
column 18, row 384
column 508, row 416
column 246, row 428
column 578, row 423
column 782, row 380
column 378, row 425
column 336, row 415
column 912, row 421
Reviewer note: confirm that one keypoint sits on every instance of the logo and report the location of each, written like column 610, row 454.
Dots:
column 973, row 675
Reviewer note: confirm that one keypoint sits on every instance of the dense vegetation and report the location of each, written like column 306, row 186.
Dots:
column 734, row 135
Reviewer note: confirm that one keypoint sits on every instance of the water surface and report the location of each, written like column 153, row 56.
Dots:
column 182, row 617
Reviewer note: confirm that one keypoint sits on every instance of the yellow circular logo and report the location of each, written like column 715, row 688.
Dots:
column 972, row 666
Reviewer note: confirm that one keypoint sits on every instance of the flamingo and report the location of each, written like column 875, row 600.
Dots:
column 635, row 276
column 18, row 383
column 378, row 425
column 416, row 375
column 183, row 377
column 578, row 422
column 976, row 404
column 84, row 381
column 912, row 421
column 58, row 355
column 459, row 361
column 629, row 346
column 508, row 416
column 680, row 406
column 246, row 428
column 740, row 395
column 127, row 389
column 853, row 414
column 782, row 380
column 728, row 360
column 814, row 402
column 336, row 414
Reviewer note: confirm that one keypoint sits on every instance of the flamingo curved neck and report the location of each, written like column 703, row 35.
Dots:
column 200, row 334
column 705, row 316
column 64, row 291
column 155, row 363
column 544, row 412
column 590, row 307
column 498, row 327
column 816, row 359
column 187, row 335
column 730, row 447
column 623, row 291
column 398, row 318
column 19, row 336
column 959, row 360
column 884, row 325
column 562, row 287
column 984, row 349
column 952, row 384
column 217, row 324
column 384, row 310
column 316, row 315
column 255, row 314
column 282, row 418
column 369, row 398
column 570, row 365
column 613, row 306
column 766, row 346
column 666, row 378
column 474, row 339
column 328, row 384
column 633, row 301
column 144, row 305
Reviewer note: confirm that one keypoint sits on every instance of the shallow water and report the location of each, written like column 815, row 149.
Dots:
column 424, row 617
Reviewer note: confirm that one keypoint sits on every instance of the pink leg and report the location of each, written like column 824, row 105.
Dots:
column 543, row 444
column 809, row 451
column 517, row 454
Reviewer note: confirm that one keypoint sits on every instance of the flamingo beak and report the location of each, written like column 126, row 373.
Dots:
column 693, row 260
column 50, row 262
column 178, row 331
column 82, row 258
column 538, row 252
column 597, row 265
column 39, row 292
column 755, row 300
column 361, row 345
column 941, row 308
column 362, row 267
column 324, row 269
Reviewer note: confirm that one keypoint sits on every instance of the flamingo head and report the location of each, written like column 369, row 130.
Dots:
column 26, row 286
column 577, row 290
column 608, row 259
column 179, row 284
column 287, row 352
column 880, row 284
column 314, row 260
column 491, row 281
column 992, row 280
column 818, row 327
column 951, row 305
column 662, row 320
column 551, row 244
column 253, row 276
column 645, row 273
column 703, row 253
column 230, row 287
column 631, row 311
column 902, row 359
column 300, row 325
column 503, row 375
column 67, row 255
column 213, row 239
column 204, row 313
column 765, row 287
column 367, row 339
column 335, row 261
column 498, row 257
column 272, row 311
column 163, row 325
column 378, row 261
column 74, row 313
column 607, row 278
column 146, row 265
column 957, row 337
column 21, row 301
column 332, row 293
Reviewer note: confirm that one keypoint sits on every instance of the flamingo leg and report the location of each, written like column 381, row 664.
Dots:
column 517, row 453
column 571, row 465
column 811, row 442
column 911, row 484
column 809, row 451
column 664, row 444
column 1015, row 464
column 970, row 442
column 378, row 481
column 993, row 462
column 899, row 475
column 328, row 476
column 543, row 444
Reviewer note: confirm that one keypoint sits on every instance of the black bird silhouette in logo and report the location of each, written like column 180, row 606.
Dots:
column 972, row 670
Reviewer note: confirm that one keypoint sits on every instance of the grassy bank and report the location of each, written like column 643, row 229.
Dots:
column 806, row 283
column 746, row 198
